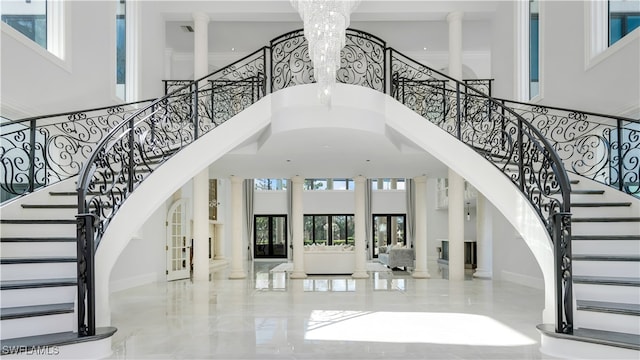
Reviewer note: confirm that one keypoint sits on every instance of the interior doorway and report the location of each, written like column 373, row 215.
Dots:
column 270, row 236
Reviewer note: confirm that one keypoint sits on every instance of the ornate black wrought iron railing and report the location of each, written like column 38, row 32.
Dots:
column 40, row 151
column 146, row 138
column 508, row 141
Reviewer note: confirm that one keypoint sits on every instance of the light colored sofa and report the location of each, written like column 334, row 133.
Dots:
column 397, row 257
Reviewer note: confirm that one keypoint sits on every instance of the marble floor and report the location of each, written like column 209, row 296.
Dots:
column 390, row 315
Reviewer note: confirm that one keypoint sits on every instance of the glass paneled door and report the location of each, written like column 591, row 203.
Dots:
column 388, row 230
column 178, row 242
column 270, row 236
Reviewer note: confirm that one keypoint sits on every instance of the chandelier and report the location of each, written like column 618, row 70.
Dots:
column 325, row 22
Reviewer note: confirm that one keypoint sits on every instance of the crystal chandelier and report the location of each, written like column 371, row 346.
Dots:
column 325, row 22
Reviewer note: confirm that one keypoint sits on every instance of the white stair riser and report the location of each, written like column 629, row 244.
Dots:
column 24, row 230
column 38, row 296
column 609, row 293
column 39, row 213
column 37, row 325
column 38, row 271
column 610, row 322
column 609, row 247
column 36, row 249
column 607, row 268
column 609, row 228
column 613, row 211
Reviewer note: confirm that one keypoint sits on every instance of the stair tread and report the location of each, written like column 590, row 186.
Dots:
column 600, row 204
column 602, row 337
column 37, row 239
column 607, row 280
column 606, row 219
column 605, row 237
column 22, row 344
column 610, row 307
column 42, row 259
column 38, row 221
column 35, row 310
column 36, row 283
column 601, row 257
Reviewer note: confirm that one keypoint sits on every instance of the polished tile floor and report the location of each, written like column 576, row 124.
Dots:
column 390, row 315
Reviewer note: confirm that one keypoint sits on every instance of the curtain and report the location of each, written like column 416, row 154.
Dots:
column 368, row 213
column 289, row 217
column 248, row 212
column 411, row 211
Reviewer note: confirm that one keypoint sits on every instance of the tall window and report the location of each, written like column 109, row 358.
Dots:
column 29, row 17
column 329, row 230
column 121, row 49
column 624, row 17
column 534, row 49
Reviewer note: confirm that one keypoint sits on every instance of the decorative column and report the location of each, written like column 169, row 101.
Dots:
column 484, row 241
column 455, row 44
column 456, row 226
column 420, row 240
column 237, row 241
column 201, row 181
column 360, row 228
column 297, row 228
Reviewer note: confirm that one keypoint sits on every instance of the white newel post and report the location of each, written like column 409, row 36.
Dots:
column 297, row 230
column 420, row 237
column 484, row 241
column 360, row 229
column 201, row 181
column 456, row 226
column 237, row 263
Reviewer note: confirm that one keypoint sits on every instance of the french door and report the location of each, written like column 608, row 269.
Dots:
column 388, row 229
column 178, row 242
column 270, row 236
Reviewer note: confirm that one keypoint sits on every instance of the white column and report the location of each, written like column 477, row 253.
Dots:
column 200, row 181
column 200, row 44
column 420, row 240
column 218, row 253
column 456, row 226
column 297, row 230
column 455, row 44
column 237, row 241
column 360, row 229
column 484, row 241
column 201, row 226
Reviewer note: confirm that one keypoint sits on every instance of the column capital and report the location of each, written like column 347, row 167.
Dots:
column 420, row 179
column 455, row 16
column 200, row 17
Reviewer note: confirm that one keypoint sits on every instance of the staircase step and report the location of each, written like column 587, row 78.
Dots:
column 609, row 307
column 601, row 337
column 35, row 310
column 588, row 257
column 37, row 260
column 22, row 344
column 607, row 280
column 605, row 237
column 37, row 239
column 36, row 283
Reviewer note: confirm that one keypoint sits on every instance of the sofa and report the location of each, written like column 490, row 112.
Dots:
column 394, row 257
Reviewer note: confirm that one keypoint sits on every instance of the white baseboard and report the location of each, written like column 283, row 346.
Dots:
column 133, row 281
column 526, row 280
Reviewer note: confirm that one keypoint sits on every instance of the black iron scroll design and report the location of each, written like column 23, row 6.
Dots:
column 141, row 143
column 600, row 147
column 362, row 61
column 40, row 151
column 505, row 139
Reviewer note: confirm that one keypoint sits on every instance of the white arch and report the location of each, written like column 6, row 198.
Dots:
column 353, row 107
